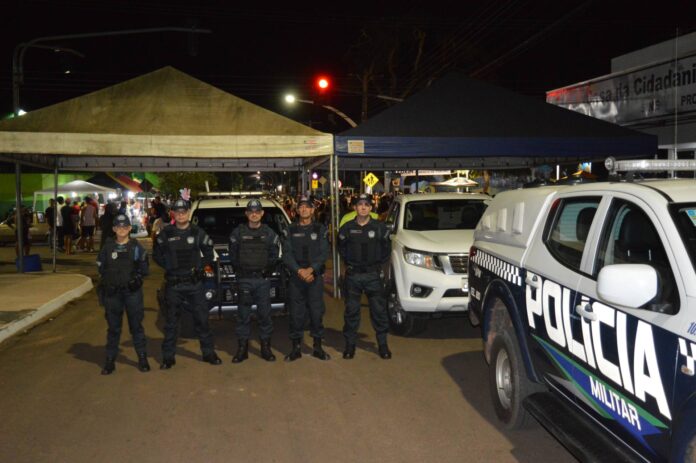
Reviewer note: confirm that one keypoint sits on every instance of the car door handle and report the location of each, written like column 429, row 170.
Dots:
column 533, row 282
column 586, row 312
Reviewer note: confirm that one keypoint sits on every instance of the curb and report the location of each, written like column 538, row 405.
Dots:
column 45, row 310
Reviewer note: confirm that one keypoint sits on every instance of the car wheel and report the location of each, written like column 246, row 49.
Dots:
column 401, row 322
column 687, row 452
column 508, row 381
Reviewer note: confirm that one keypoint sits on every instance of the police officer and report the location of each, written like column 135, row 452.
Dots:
column 254, row 252
column 183, row 249
column 122, row 264
column 305, row 250
column 364, row 245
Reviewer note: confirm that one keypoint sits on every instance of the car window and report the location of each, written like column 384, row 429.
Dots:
column 393, row 215
column 219, row 222
column 569, row 225
column 630, row 237
column 684, row 216
column 450, row 214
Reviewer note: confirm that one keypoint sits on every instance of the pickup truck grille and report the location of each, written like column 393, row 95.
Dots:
column 459, row 263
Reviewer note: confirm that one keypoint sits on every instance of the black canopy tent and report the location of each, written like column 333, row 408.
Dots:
column 460, row 122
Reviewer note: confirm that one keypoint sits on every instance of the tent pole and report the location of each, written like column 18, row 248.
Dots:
column 336, row 210
column 332, row 181
column 19, row 221
column 55, row 213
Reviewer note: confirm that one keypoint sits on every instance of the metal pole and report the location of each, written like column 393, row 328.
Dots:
column 336, row 220
column 55, row 213
column 19, row 225
column 333, row 228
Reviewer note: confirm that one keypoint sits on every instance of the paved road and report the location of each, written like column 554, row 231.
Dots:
column 429, row 404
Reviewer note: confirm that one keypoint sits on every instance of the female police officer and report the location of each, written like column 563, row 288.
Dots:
column 122, row 265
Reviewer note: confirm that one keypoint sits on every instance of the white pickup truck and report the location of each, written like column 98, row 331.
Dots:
column 426, row 276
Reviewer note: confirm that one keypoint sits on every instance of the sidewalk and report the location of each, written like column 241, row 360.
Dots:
column 27, row 299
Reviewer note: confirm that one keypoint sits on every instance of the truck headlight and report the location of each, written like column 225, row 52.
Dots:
column 422, row 259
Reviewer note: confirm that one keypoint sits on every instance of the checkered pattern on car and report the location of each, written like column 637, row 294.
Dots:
column 499, row 267
column 684, row 350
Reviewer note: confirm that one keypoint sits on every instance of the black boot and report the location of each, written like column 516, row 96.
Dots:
column 167, row 363
column 266, row 352
column 318, row 352
column 212, row 358
column 143, row 365
column 109, row 366
column 296, row 351
column 349, row 351
column 242, row 352
column 384, row 351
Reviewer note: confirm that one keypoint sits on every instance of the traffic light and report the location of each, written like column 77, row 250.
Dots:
column 322, row 84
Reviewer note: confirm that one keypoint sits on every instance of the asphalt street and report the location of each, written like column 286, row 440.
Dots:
column 430, row 403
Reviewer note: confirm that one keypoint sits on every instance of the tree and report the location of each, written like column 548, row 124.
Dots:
column 172, row 182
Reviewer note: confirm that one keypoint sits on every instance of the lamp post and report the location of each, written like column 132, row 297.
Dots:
column 291, row 99
column 18, row 79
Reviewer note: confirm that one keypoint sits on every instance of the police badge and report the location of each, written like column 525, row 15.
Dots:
column 313, row 236
column 114, row 255
column 189, row 240
column 371, row 233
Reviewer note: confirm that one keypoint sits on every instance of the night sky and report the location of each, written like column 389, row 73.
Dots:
column 258, row 53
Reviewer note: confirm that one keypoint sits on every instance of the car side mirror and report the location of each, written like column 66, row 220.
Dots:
column 627, row 285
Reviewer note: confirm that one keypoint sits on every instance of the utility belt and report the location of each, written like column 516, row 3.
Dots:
column 374, row 268
column 191, row 279
column 256, row 274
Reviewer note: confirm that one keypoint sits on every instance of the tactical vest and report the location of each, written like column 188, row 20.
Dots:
column 184, row 250
column 119, row 265
column 253, row 251
column 305, row 243
column 363, row 248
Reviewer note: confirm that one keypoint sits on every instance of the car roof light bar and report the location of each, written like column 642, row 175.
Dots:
column 649, row 165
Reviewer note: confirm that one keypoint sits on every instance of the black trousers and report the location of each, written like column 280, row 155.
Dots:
column 189, row 297
column 303, row 298
column 371, row 285
column 254, row 291
column 114, row 305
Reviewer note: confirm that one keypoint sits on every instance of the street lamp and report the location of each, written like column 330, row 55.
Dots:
column 292, row 99
column 17, row 80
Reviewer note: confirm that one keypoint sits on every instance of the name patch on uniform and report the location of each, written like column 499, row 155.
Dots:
column 313, row 236
column 371, row 233
column 356, row 231
column 174, row 238
column 190, row 240
column 298, row 235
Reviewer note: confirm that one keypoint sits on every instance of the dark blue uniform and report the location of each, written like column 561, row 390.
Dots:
column 122, row 268
column 306, row 246
column 364, row 248
column 254, row 253
column 183, row 253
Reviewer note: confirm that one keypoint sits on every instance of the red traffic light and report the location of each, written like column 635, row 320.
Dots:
column 322, row 83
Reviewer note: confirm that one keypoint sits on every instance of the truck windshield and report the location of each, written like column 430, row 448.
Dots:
column 218, row 223
column 450, row 214
column 684, row 215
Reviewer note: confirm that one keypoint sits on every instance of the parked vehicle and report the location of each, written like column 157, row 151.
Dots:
column 427, row 273
column 586, row 296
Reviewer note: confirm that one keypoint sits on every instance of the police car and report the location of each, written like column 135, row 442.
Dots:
column 427, row 274
column 586, row 296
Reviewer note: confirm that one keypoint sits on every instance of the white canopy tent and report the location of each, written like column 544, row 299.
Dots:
column 162, row 121
column 74, row 188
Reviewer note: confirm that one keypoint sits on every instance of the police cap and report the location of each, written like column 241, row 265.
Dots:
column 306, row 201
column 122, row 220
column 181, row 205
column 364, row 198
column 254, row 205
